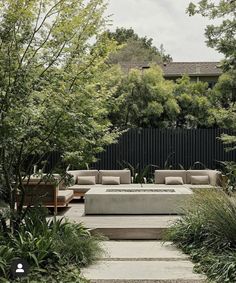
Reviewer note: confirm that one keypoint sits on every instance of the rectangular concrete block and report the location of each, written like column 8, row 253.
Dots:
column 136, row 201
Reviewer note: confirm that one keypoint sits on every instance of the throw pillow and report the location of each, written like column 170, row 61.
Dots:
column 110, row 180
column 86, row 180
column 199, row 180
column 174, row 181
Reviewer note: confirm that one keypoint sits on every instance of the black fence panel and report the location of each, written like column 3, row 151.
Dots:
column 167, row 147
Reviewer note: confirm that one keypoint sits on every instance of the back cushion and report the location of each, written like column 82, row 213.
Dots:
column 160, row 175
column 191, row 173
column 86, row 180
column 199, row 180
column 125, row 175
column 77, row 173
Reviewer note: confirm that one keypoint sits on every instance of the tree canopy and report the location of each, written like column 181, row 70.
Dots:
column 145, row 99
column 54, row 85
column 221, row 37
column 135, row 49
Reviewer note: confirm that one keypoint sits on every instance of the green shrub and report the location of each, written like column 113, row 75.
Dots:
column 76, row 244
column 229, row 169
column 48, row 244
column 66, row 274
column 6, row 256
column 208, row 233
column 139, row 175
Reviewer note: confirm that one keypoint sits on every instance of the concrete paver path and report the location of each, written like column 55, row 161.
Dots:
column 142, row 261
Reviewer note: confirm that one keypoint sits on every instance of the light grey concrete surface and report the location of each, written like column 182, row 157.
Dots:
column 128, row 201
column 75, row 212
column 120, row 226
column 142, row 261
column 141, row 250
column 142, row 271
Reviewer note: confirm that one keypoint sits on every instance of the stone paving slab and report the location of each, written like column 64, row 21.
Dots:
column 142, row 261
column 142, row 271
column 141, row 250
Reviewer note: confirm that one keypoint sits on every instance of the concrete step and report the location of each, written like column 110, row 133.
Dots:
column 120, row 227
column 142, row 261
column 141, row 250
column 157, row 233
column 130, row 227
column 142, row 271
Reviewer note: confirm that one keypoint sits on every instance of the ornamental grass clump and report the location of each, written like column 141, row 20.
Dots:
column 207, row 232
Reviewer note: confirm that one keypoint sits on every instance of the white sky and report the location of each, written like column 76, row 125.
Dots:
column 166, row 22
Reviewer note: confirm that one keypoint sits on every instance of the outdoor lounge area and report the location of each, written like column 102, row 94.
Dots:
column 112, row 191
column 117, row 141
column 190, row 179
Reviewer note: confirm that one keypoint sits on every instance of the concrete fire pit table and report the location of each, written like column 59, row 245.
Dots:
column 139, row 200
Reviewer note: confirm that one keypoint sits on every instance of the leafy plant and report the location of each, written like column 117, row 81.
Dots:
column 208, row 233
column 139, row 176
column 198, row 164
column 53, row 53
column 76, row 244
column 229, row 169
column 53, row 244
column 6, row 255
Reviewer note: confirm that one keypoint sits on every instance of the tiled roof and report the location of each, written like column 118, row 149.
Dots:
column 191, row 68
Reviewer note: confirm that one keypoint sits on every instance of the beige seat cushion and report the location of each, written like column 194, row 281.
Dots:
column 160, row 175
column 125, row 175
column 76, row 173
column 80, row 188
column 65, row 195
column 192, row 187
column 110, row 180
column 86, row 180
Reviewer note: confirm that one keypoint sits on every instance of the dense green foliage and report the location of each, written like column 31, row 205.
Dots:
column 49, row 246
column 208, row 233
column 145, row 99
column 195, row 101
column 222, row 36
column 134, row 49
column 54, row 85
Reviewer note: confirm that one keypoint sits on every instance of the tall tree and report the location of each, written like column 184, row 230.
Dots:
column 135, row 49
column 221, row 37
column 195, row 104
column 54, row 87
column 144, row 99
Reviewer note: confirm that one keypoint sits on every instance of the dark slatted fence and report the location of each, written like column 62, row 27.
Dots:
column 164, row 147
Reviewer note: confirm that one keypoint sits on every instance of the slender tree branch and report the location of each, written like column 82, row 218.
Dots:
column 47, row 137
column 84, row 69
